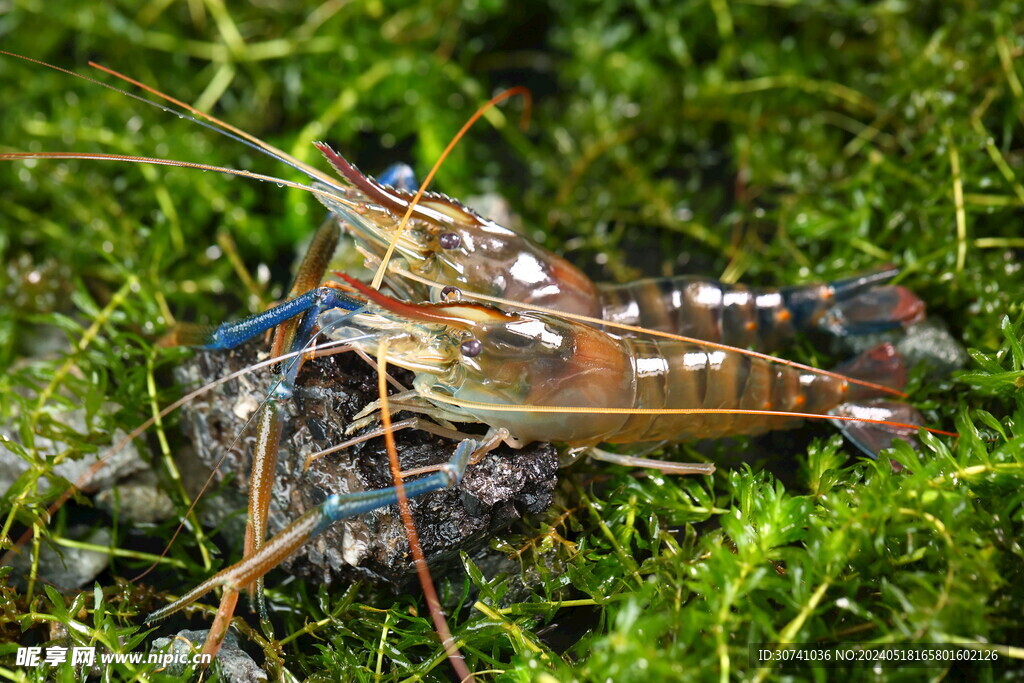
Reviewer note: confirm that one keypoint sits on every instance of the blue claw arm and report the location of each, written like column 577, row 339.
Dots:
column 315, row 521
column 315, row 301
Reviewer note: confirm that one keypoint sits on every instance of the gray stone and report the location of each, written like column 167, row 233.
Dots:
column 137, row 501
column 66, row 568
column 235, row 665
column 117, row 465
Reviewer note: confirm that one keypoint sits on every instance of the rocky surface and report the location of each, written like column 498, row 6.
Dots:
column 505, row 485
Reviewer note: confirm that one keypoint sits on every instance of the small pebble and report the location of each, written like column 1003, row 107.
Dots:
column 236, row 666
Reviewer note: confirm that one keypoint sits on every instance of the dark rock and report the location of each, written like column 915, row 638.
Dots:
column 495, row 492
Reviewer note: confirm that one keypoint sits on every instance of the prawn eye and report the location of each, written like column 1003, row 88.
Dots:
column 450, row 294
column 449, row 240
column 471, row 348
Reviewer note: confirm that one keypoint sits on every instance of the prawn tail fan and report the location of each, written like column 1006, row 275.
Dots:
column 875, row 426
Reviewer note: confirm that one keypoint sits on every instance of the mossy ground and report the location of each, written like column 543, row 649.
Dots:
column 773, row 142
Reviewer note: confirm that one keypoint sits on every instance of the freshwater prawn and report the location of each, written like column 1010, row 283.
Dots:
column 532, row 376
column 500, row 330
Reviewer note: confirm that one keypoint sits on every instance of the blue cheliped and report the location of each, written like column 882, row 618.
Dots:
column 309, row 305
column 335, row 508
column 338, row 506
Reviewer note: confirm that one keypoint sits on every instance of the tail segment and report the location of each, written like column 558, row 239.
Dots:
column 876, row 310
column 881, row 365
column 872, row 437
column 860, row 305
column 762, row 318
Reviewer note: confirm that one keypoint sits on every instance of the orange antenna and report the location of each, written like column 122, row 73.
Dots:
column 225, row 127
column 504, row 408
column 458, row 662
column 211, row 122
column 89, row 156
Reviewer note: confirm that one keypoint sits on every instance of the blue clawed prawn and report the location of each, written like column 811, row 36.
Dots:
column 530, row 376
column 549, row 370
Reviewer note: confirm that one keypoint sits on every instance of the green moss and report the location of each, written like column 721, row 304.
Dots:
column 769, row 142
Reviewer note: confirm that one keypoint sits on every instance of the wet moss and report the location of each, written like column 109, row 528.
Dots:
column 763, row 142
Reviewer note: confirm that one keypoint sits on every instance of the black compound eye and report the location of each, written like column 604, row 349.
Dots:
column 449, row 240
column 451, row 294
column 471, row 348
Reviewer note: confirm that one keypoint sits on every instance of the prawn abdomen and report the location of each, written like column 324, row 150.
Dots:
column 697, row 378
column 650, row 375
column 761, row 318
